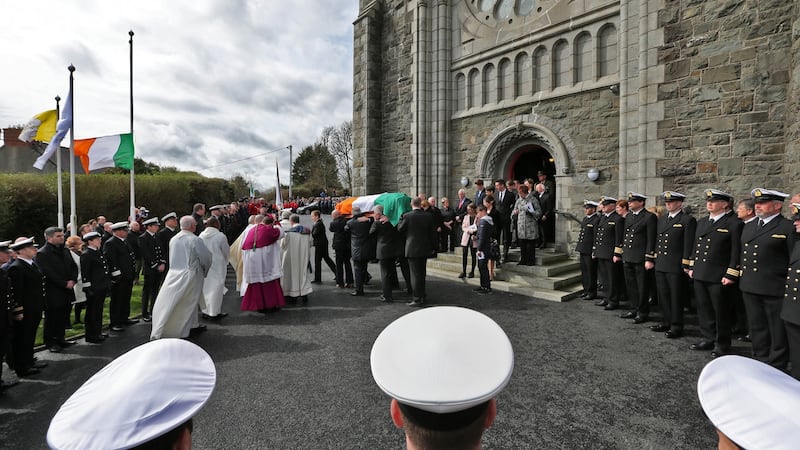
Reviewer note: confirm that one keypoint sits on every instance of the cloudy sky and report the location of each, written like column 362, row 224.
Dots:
column 214, row 80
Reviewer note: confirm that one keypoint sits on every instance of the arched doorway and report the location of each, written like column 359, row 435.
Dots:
column 528, row 160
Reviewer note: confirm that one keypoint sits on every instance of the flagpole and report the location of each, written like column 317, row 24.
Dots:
column 58, row 171
column 73, row 219
column 133, row 186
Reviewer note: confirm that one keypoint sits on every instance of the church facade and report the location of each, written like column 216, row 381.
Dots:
column 606, row 96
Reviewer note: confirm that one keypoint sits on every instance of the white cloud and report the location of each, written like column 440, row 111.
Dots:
column 214, row 80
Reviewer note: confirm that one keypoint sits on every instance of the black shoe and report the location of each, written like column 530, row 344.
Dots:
column 462, row 275
column 702, row 346
column 745, row 338
column 478, row 289
column 485, row 291
column 601, row 303
column 94, row 340
column 27, row 372
column 385, row 300
column 471, row 275
column 316, row 282
column 590, row 297
column 357, row 293
column 611, row 307
column 39, row 364
column 673, row 334
column 628, row 315
column 147, row 318
column 206, row 316
column 55, row 349
column 223, row 315
column 197, row 330
column 717, row 352
column 639, row 319
column 65, row 344
column 415, row 302
column 131, row 321
column 116, row 328
column 659, row 328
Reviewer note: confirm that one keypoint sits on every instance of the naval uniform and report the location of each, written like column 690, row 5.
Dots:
column 585, row 248
column 716, row 256
column 9, row 311
column 790, row 313
column 153, row 256
column 673, row 250
column 607, row 238
column 121, row 264
column 96, row 284
column 28, row 290
column 765, row 261
column 639, row 245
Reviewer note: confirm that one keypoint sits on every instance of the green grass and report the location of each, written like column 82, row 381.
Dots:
column 77, row 328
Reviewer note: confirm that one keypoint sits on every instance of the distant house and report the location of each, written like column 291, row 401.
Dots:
column 18, row 157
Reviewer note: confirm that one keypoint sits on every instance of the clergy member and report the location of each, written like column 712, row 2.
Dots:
column 175, row 311
column 214, row 285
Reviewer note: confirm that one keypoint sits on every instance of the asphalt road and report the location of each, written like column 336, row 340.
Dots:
column 300, row 378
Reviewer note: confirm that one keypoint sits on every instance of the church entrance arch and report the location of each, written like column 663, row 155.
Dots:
column 528, row 160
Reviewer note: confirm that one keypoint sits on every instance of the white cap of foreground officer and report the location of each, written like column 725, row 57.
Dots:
column 443, row 368
column 752, row 405
column 146, row 397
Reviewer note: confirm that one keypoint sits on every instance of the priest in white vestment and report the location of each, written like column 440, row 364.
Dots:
column 295, row 256
column 175, row 312
column 235, row 256
column 214, row 285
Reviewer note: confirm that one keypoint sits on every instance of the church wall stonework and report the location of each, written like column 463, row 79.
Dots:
column 726, row 92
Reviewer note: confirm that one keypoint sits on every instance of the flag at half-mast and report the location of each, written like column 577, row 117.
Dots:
column 105, row 151
column 40, row 128
column 64, row 124
column 278, row 199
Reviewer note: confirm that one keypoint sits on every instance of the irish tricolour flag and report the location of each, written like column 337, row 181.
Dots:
column 106, row 151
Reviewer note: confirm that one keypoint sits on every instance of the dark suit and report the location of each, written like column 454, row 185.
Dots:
column 420, row 244
column 673, row 251
column 484, row 243
column 715, row 255
column 638, row 247
column 765, row 262
column 152, row 256
column 790, row 312
column 607, row 238
column 96, row 284
column 362, row 248
column 585, row 248
column 548, row 221
column 58, row 268
column 320, row 240
column 119, row 257
column 505, row 205
column 387, row 250
column 28, row 290
column 341, row 247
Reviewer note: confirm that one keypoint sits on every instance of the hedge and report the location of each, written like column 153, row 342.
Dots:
column 28, row 202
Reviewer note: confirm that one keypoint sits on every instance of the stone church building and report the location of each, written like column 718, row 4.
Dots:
column 647, row 94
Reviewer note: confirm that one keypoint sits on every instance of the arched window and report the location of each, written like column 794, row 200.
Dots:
column 561, row 72
column 582, row 64
column 489, row 85
column 505, row 80
column 473, row 89
column 522, row 74
column 461, row 92
column 607, row 62
column 541, row 79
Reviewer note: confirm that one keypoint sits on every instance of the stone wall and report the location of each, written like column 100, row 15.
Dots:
column 792, row 159
column 727, row 71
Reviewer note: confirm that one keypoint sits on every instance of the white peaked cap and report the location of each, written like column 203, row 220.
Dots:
column 442, row 359
column 138, row 397
column 756, row 405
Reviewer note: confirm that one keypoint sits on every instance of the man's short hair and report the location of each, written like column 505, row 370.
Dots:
column 465, row 437
column 748, row 203
column 378, row 209
column 294, row 218
column 315, row 213
column 212, row 222
column 500, row 181
column 187, row 222
column 416, row 202
column 198, row 206
column 480, row 208
column 51, row 231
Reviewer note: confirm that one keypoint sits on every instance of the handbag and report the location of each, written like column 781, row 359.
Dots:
column 494, row 250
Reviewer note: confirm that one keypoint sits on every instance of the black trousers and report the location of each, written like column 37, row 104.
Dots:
column 24, row 338
column 739, row 312
column 120, row 304
column 403, row 263
column 610, row 274
column 150, row 288
column 714, row 312
column 671, row 288
column 793, row 337
column 483, row 268
column 5, row 339
column 527, row 252
column 344, row 270
column 389, row 279
column 504, row 235
column 56, row 317
column 360, row 273
column 767, row 331
column 94, row 312
column 637, row 288
column 468, row 250
column 589, row 274
column 320, row 254
column 418, row 268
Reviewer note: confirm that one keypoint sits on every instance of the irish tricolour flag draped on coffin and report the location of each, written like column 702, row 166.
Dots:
column 395, row 204
column 106, row 151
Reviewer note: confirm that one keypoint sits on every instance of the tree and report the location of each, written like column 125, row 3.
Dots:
column 339, row 141
column 315, row 169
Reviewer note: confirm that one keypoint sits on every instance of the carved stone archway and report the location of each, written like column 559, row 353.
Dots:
column 506, row 139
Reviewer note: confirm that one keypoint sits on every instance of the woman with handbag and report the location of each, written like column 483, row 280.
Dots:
column 494, row 253
column 527, row 211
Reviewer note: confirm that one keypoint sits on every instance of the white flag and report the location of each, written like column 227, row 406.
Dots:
column 64, row 124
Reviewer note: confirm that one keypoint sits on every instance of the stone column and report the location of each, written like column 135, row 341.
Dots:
column 420, row 128
column 442, row 103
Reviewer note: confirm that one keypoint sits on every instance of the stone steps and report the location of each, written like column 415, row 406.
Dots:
column 555, row 277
